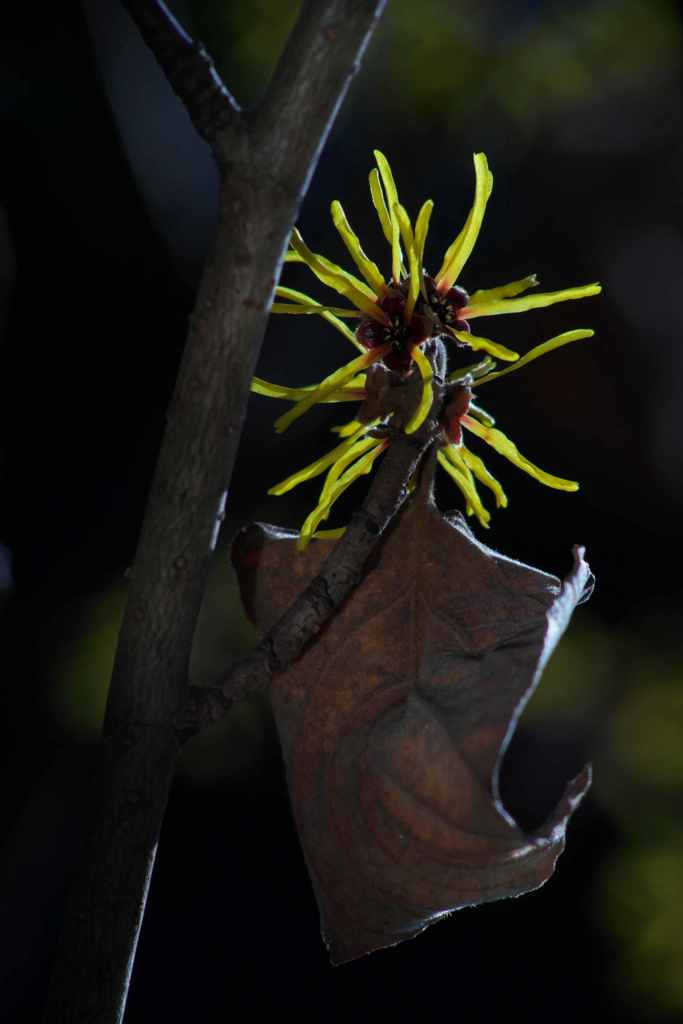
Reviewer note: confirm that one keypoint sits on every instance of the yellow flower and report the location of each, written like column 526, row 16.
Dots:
column 397, row 316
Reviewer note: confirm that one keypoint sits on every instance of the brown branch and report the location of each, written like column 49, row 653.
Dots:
column 186, row 503
column 292, row 115
column 188, row 68
column 339, row 575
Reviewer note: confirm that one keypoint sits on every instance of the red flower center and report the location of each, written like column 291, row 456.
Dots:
column 402, row 336
column 447, row 305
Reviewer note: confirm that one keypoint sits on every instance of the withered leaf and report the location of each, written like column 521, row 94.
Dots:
column 394, row 723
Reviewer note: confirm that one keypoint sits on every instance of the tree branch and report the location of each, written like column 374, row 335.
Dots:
column 341, row 572
column 186, row 503
column 188, row 68
column 292, row 115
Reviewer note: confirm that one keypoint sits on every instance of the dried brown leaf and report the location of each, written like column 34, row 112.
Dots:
column 395, row 722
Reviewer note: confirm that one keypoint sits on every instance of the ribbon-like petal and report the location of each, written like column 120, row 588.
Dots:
column 504, row 446
column 321, row 511
column 459, row 472
column 343, row 282
column 427, row 396
column 505, row 291
column 459, row 251
column 495, row 307
column 540, row 350
column 368, row 269
column 476, row 343
column 330, row 384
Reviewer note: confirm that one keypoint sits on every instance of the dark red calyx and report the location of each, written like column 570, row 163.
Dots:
column 458, row 406
column 446, row 305
column 402, row 336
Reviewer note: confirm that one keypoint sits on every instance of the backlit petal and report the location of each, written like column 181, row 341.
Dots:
column 414, row 270
column 296, row 296
column 462, row 477
column 368, row 269
column 346, row 429
column 473, row 370
column 317, row 467
column 421, row 229
column 504, row 291
column 353, row 391
column 483, row 476
column 498, row 306
column 504, row 446
column 322, row 511
column 391, row 203
column 343, row 282
column 540, row 350
column 459, row 251
column 475, row 342
column 380, row 205
column 482, row 415
column 427, row 397
column 358, row 447
column 330, row 384
column 298, row 309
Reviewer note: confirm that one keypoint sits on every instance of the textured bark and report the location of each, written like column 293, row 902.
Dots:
column 265, row 163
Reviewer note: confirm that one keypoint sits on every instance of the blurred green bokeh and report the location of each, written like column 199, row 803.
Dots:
column 633, row 688
column 532, row 67
column 225, row 756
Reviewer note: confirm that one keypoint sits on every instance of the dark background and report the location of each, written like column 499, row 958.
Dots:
column 107, row 201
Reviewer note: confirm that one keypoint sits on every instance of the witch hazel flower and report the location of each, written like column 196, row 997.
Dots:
column 397, row 317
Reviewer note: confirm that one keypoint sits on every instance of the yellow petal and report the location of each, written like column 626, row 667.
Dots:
column 498, row 306
column 421, row 228
column 357, row 448
column 353, row 391
column 391, row 203
column 330, row 384
column 378, row 202
column 346, row 429
column 368, row 269
column 422, row 411
column 322, row 511
column 473, row 370
column 483, row 476
column 298, row 309
column 459, row 252
column 405, row 226
column 504, row 291
column 462, row 477
column 475, row 505
column 540, row 350
column 317, row 467
column 482, row 415
column 476, row 343
column 414, row 269
column 292, row 293
column 334, row 277
column 504, row 446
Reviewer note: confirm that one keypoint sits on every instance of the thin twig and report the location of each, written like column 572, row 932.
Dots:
column 338, row 576
column 188, row 68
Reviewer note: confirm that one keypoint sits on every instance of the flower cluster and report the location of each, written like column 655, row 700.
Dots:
column 397, row 317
